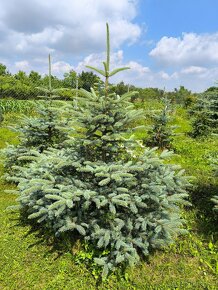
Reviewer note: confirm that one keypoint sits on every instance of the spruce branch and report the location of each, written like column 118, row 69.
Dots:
column 106, row 72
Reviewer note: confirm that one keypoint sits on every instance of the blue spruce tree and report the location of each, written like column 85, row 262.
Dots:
column 104, row 187
column 37, row 133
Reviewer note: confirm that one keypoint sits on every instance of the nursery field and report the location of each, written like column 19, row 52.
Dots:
column 29, row 260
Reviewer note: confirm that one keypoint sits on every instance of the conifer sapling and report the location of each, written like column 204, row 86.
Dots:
column 37, row 133
column 205, row 112
column 160, row 134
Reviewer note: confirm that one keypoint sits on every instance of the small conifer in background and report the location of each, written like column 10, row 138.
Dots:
column 99, row 189
column 37, row 133
column 160, row 135
column 205, row 112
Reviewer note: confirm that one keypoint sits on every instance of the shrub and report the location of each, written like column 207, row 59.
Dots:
column 10, row 87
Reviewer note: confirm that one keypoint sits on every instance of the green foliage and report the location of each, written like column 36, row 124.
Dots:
column 11, row 87
column 190, row 100
column 21, row 76
column 35, row 78
column 86, row 80
column 214, row 162
column 212, row 89
column 111, row 205
column 18, row 106
column 160, row 135
column 3, row 69
column 70, row 79
column 201, row 125
column 37, row 133
column 20, row 86
column 215, row 200
column 122, row 88
column 196, row 156
column 181, row 96
column 106, row 72
column 190, row 263
column 206, row 115
column 99, row 189
column 148, row 94
column 1, row 115
column 35, row 264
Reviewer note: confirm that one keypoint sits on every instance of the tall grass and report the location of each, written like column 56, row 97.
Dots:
column 17, row 106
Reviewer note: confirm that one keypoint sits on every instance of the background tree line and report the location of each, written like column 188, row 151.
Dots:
column 23, row 86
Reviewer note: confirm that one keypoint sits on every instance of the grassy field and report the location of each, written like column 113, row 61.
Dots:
column 28, row 261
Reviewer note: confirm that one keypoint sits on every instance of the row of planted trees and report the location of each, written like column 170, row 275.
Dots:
column 80, row 175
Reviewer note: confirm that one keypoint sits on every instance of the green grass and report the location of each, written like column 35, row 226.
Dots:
column 17, row 106
column 27, row 261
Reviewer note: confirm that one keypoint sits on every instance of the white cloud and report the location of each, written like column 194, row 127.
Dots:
column 73, row 31
column 136, row 67
column 193, row 70
column 96, row 59
column 22, row 65
column 164, row 75
column 190, row 50
column 61, row 67
column 135, row 72
column 67, row 26
column 182, row 54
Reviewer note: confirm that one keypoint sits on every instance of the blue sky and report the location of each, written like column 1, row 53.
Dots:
column 172, row 18
column 167, row 43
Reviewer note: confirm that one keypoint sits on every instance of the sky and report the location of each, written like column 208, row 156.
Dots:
column 166, row 43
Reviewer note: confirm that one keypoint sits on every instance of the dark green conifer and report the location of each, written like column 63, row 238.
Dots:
column 160, row 134
column 205, row 112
